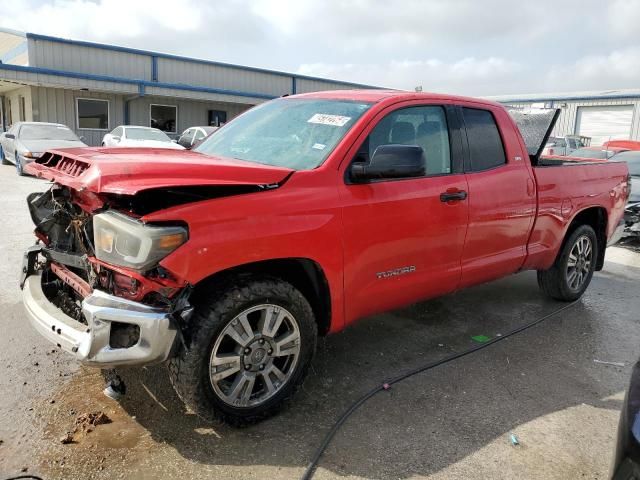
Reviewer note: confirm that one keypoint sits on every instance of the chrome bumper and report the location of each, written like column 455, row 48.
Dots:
column 90, row 343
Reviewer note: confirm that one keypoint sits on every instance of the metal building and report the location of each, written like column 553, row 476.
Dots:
column 601, row 115
column 93, row 88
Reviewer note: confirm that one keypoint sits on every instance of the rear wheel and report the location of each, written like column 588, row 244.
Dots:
column 250, row 351
column 573, row 269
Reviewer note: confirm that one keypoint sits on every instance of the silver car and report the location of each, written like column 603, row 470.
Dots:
column 26, row 141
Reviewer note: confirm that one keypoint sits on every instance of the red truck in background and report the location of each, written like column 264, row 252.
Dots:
column 294, row 220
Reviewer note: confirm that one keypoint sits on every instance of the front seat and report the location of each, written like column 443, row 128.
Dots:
column 403, row 133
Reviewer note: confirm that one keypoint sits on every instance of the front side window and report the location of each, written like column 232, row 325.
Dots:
column 485, row 144
column 117, row 132
column 199, row 135
column 423, row 126
column 164, row 117
column 295, row 133
column 93, row 114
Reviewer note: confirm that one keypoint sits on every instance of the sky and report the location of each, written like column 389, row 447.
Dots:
column 470, row 47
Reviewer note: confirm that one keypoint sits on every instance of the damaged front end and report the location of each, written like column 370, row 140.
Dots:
column 92, row 284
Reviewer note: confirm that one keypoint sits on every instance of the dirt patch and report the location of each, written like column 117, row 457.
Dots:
column 88, row 434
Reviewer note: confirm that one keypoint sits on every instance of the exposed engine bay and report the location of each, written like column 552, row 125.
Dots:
column 71, row 269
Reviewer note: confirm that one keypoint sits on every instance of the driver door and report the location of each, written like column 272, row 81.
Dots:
column 402, row 240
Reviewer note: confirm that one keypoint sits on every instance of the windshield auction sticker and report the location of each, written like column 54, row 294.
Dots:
column 326, row 119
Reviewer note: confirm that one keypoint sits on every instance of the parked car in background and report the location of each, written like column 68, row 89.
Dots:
column 626, row 144
column 596, row 153
column 26, row 141
column 194, row 135
column 565, row 145
column 136, row 136
column 632, row 210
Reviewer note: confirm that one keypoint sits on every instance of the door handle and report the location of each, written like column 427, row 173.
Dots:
column 453, row 196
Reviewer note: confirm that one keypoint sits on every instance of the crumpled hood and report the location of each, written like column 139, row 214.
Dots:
column 130, row 170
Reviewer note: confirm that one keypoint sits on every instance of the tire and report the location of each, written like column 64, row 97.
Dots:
column 19, row 167
column 213, row 323
column 559, row 282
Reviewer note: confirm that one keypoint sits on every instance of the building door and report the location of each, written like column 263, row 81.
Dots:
column 604, row 123
column 217, row 118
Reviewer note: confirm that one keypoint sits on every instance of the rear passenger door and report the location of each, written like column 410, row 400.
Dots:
column 402, row 241
column 501, row 197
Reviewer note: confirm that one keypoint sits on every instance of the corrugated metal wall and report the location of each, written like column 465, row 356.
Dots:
column 566, row 124
column 76, row 58
column 228, row 78
column 190, row 113
column 304, row 85
column 59, row 106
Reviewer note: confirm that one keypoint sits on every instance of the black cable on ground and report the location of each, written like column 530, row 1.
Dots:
column 25, row 475
column 311, row 467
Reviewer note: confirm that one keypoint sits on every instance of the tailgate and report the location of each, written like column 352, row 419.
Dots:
column 535, row 125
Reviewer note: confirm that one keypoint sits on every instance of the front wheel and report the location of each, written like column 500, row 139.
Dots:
column 249, row 351
column 3, row 158
column 573, row 269
column 19, row 167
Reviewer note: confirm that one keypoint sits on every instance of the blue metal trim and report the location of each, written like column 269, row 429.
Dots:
column 154, row 68
column 294, row 87
column 14, row 52
column 114, row 48
column 133, row 81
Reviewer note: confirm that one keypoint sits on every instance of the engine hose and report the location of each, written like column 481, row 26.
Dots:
column 311, row 467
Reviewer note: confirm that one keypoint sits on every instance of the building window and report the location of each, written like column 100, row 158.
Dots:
column 217, row 118
column 93, row 114
column 164, row 117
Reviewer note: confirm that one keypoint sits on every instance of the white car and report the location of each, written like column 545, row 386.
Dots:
column 26, row 141
column 134, row 136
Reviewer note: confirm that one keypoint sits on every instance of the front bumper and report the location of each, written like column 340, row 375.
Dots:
column 90, row 343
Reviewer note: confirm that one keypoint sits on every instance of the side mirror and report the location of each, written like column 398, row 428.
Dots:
column 392, row 161
column 115, row 139
column 174, row 141
column 10, row 136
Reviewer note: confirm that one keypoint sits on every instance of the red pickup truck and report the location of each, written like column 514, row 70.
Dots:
column 294, row 220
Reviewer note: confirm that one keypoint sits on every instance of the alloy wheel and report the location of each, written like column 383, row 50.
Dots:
column 255, row 355
column 579, row 262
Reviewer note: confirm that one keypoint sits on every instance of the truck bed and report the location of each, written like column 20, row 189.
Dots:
column 565, row 188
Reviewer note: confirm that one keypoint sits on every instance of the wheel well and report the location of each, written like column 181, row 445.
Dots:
column 596, row 218
column 304, row 274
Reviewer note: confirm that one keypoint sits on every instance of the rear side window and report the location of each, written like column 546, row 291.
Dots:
column 485, row 145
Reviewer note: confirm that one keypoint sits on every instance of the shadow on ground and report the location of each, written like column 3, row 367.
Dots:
column 434, row 419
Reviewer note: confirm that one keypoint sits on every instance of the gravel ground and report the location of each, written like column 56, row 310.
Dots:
column 452, row 422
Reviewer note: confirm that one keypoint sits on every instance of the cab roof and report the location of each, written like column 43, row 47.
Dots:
column 378, row 95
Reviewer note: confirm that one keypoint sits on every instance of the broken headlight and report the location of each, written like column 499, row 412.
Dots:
column 124, row 241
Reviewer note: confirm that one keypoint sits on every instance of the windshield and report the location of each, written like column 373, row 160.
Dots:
column 146, row 134
column 289, row 132
column 591, row 153
column 47, row 132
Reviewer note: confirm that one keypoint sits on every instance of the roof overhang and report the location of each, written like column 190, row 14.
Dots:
column 14, row 76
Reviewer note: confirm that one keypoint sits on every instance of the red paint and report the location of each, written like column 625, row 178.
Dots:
column 622, row 145
column 515, row 216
